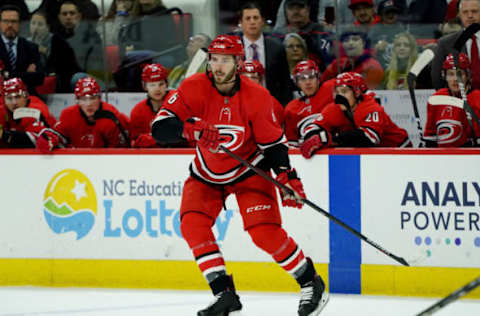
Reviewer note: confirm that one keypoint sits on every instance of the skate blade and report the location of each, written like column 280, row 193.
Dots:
column 321, row 305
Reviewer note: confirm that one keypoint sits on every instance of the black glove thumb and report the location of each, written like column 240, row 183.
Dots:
column 340, row 99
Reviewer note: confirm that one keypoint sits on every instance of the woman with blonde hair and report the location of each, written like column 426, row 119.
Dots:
column 295, row 49
column 404, row 54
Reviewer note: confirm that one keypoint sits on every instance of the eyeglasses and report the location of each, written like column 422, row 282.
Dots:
column 10, row 21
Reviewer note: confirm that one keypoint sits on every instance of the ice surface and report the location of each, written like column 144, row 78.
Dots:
column 120, row 302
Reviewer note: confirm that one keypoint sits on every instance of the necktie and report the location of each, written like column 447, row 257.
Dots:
column 254, row 51
column 475, row 64
column 11, row 55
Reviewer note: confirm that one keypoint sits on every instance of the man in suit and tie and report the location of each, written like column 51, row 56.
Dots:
column 20, row 56
column 469, row 13
column 268, row 51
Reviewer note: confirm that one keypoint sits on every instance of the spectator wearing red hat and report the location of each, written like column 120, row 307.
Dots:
column 22, row 117
column 154, row 81
column 91, row 123
column 316, row 95
column 364, row 13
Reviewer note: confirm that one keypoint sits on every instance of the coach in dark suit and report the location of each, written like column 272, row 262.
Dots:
column 20, row 56
column 268, row 51
column 445, row 44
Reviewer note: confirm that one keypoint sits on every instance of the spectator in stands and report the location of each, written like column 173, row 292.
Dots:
column 281, row 20
column 296, row 49
column 56, row 56
column 381, row 35
column 356, row 58
column 255, row 72
column 121, row 12
column 364, row 13
column 268, row 51
column 404, row 55
column 20, row 56
column 148, row 7
column 154, row 80
column 355, row 119
column 90, row 123
column 88, row 9
column 423, row 17
column 82, row 36
column 469, row 13
column 447, row 124
column 302, row 111
column 21, row 131
column 196, row 42
column 318, row 39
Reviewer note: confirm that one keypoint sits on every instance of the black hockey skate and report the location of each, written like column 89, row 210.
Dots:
column 225, row 304
column 314, row 297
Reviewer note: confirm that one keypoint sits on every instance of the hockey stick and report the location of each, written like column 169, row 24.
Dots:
column 197, row 61
column 262, row 173
column 423, row 60
column 451, row 298
column 26, row 112
column 459, row 43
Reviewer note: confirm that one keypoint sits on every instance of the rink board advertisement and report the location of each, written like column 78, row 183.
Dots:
column 113, row 220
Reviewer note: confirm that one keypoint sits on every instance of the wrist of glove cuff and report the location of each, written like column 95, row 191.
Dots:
column 292, row 198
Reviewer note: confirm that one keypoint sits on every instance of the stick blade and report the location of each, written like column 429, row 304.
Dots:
column 445, row 100
column 466, row 35
column 26, row 112
column 423, row 60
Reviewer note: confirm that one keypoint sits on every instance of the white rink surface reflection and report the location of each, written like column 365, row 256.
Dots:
column 15, row 301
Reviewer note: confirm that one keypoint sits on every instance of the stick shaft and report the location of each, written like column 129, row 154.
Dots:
column 451, row 298
column 262, row 173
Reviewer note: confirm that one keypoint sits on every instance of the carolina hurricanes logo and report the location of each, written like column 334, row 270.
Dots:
column 306, row 124
column 449, row 131
column 232, row 136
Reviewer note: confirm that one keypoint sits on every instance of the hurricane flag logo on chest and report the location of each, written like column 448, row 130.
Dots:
column 232, row 136
column 70, row 203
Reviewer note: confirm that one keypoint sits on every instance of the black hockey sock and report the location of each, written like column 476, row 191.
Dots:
column 308, row 274
column 221, row 284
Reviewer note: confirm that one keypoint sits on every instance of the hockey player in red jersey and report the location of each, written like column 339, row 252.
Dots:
column 447, row 124
column 355, row 119
column 254, row 70
column 89, row 123
column 22, row 117
column 316, row 95
column 154, row 81
column 222, row 108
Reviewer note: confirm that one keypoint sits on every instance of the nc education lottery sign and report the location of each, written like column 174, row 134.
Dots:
column 424, row 208
column 127, row 207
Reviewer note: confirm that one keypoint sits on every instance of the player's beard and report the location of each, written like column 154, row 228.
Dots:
column 229, row 78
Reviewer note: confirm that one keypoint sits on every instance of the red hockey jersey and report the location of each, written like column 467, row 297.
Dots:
column 246, row 122
column 370, row 117
column 103, row 132
column 447, row 124
column 301, row 112
column 142, row 115
column 30, row 126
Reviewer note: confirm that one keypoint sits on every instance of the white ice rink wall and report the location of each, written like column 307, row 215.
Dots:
column 111, row 218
